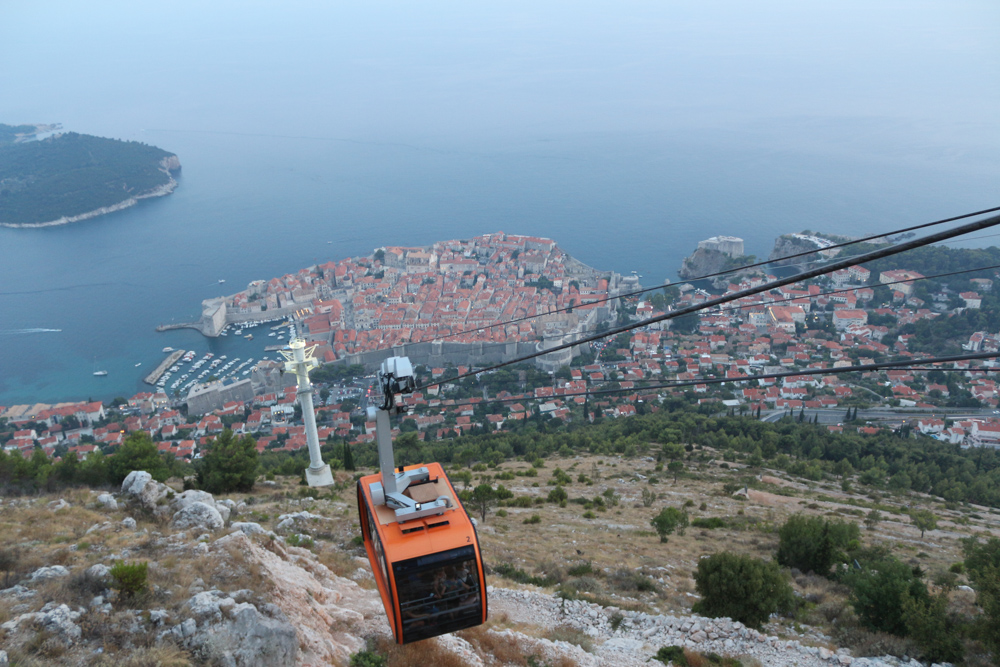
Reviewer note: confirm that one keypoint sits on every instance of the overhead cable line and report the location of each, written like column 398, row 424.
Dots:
column 863, row 368
column 734, row 296
column 625, row 295
column 855, row 289
column 903, row 364
column 845, row 290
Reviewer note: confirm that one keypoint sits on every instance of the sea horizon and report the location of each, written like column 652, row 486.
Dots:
column 626, row 137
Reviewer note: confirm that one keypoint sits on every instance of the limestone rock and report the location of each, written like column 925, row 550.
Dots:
column 128, row 523
column 461, row 648
column 311, row 598
column 107, row 501
column 223, row 510
column 60, row 621
column 45, row 573
column 159, row 616
column 200, row 516
column 208, row 604
column 248, row 527
column 247, row 639
column 98, row 571
column 57, row 505
column 182, row 500
column 99, row 527
column 289, row 521
column 140, row 487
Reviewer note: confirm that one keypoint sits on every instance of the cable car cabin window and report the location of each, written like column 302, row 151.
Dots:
column 377, row 546
column 438, row 593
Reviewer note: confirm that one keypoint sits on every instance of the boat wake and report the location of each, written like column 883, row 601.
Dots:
column 15, row 332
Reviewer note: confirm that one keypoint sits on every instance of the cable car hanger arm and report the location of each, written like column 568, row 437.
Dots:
column 395, row 376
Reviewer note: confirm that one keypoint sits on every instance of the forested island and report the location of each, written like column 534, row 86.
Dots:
column 68, row 177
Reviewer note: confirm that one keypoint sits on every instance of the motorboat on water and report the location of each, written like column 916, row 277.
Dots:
column 100, row 374
column 168, row 349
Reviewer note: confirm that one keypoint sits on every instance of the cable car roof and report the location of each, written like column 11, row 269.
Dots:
column 449, row 530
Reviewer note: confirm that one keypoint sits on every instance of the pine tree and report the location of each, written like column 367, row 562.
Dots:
column 229, row 465
column 348, row 457
column 758, row 412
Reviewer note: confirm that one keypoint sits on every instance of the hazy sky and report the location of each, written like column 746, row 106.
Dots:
column 458, row 70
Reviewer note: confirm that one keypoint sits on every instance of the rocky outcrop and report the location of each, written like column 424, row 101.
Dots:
column 56, row 619
column 189, row 497
column 705, row 262
column 107, row 501
column 637, row 635
column 790, row 244
column 702, row 262
column 141, row 489
column 297, row 520
column 170, row 163
column 328, row 611
column 46, row 573
column 199, row 516
column 248, row 638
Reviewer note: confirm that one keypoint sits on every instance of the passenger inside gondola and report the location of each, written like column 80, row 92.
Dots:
column 437, row 596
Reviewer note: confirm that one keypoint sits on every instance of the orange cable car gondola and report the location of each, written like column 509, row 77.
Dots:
column 420, row 541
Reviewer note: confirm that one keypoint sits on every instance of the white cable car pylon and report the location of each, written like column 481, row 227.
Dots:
column 300, row 360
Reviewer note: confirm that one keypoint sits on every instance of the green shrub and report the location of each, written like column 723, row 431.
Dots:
column 534, row 518
column 521, row 501
column 878, row 590
column 674, row 654
column 616, row 620
column 982, row 561
column 130, row 579
column 580, row 570
column 367, row 659
column 520, row 576
column 813, row 544
column 934, row 632
column 710, row 523
column 300, row 541
column 629, row 580
column 138, row 452
column 558, row 495
column 668, row 520
column 589, row 515
column 743, row 588
column 229, row 465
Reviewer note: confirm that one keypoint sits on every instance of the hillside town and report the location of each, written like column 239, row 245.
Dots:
column 459, row 289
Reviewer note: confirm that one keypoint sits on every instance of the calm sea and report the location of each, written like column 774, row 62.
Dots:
column 625, row 131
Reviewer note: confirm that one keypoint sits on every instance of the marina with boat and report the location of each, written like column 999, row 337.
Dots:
column 179, row 372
